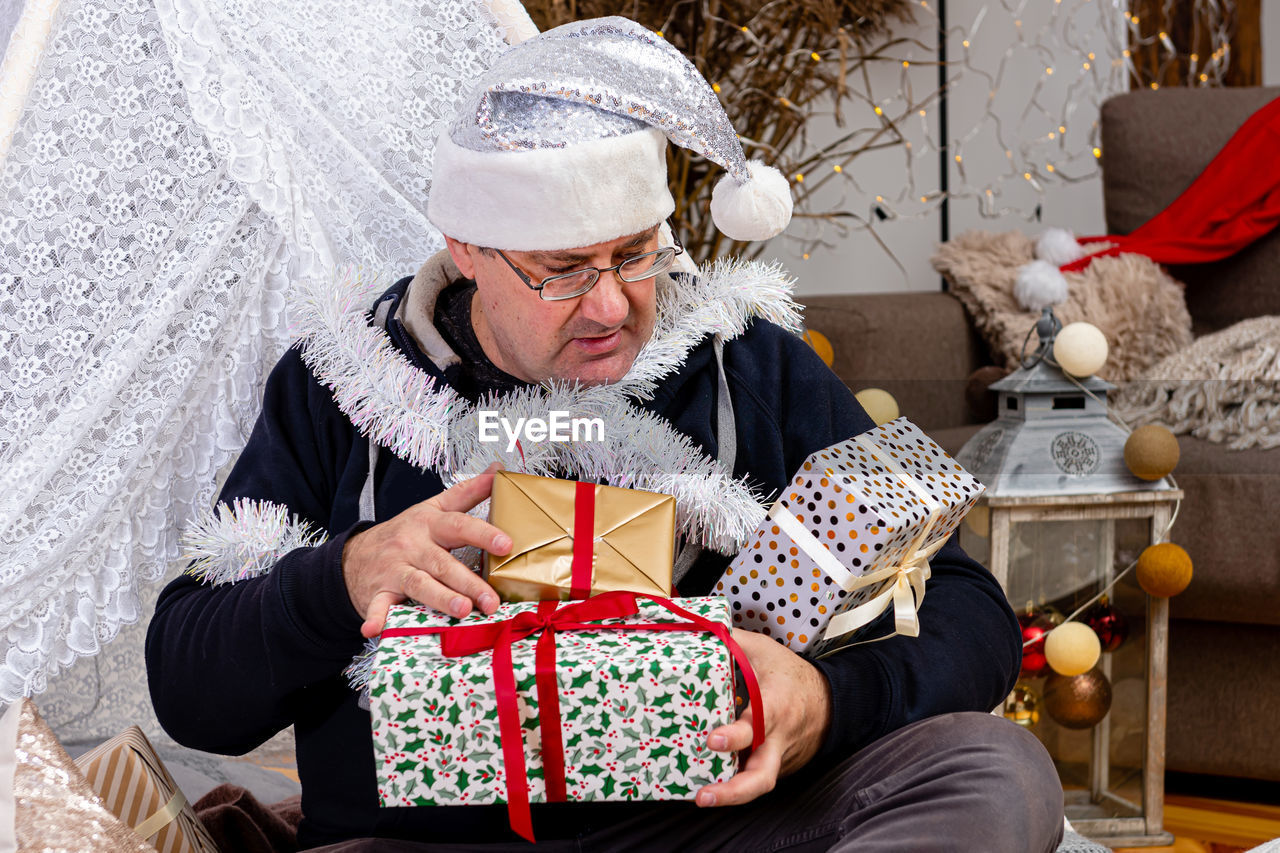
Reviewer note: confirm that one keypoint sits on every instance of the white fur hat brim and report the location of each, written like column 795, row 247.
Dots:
column 548, row 199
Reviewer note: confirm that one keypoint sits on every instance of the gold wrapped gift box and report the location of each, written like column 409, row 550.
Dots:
column 131, row 780
column 633, row 538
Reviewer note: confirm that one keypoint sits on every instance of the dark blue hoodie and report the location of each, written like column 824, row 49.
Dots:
column 230, row 666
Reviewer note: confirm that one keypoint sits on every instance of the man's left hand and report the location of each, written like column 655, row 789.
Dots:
column 797, row 712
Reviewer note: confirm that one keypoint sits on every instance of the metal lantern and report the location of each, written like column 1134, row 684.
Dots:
column 1052, row 435
column 1060, row 515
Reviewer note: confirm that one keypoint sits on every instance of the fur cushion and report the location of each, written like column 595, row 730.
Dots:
column 1130, row 298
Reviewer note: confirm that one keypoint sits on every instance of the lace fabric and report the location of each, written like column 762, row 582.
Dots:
column 174, row 167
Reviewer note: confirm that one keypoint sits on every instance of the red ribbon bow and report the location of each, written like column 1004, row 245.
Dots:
column 460, row 640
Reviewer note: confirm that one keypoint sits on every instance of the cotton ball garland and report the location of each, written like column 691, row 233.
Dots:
column 880, row 405
column 1039, row 284
column 821, row 345
column 1080, row 349
column 979, row 520
column 1072, row 648
column 1163, row 570
column 1151, row 452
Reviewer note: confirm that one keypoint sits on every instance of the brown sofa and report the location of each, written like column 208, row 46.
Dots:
column 1224, row 659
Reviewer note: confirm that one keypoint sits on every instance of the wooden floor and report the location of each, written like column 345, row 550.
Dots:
column 1202, row 825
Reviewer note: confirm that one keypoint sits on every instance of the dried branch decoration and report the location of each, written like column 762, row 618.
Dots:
column 771, row 63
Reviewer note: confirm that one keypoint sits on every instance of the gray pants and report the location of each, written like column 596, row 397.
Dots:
column 957, row 782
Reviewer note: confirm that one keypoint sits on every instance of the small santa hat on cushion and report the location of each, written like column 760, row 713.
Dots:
column 1234, row 201
column 562, row 144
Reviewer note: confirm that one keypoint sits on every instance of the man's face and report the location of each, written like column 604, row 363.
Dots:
column 592, row 338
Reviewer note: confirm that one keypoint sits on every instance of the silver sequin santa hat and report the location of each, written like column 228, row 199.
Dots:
column 562, row 144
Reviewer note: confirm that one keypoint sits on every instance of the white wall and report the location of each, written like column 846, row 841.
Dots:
column 1050, row 37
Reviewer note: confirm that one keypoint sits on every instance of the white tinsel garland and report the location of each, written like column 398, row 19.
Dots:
column 386, row 398
column 429, row 425
column 244, row 540
column 360, row 671
column 721, row 301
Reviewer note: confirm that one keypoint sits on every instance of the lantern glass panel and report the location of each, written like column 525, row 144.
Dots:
column 1048, row 559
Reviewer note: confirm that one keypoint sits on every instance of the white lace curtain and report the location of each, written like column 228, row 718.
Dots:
column 169, row 167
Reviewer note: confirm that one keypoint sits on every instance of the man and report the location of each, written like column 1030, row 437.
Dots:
column 556, row 269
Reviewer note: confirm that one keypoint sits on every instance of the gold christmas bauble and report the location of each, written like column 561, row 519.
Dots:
column 1151, row 452
column 1164, row 570
column 820, row 345
column 1022, row 706
column 1080, row 349
column 1072, row 648
column 879, row 404
column 1077, row 701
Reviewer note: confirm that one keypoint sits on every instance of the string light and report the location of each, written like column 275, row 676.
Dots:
column 1083, row 72
column 715, row 87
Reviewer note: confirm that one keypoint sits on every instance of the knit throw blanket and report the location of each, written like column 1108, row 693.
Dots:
column 1225, row 388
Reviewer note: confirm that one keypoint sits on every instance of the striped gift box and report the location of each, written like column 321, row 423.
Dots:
column 129, row 776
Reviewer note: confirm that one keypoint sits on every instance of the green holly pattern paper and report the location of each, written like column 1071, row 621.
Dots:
column 635, row 707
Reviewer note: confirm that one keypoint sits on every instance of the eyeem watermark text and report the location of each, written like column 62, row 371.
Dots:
column 560, row 427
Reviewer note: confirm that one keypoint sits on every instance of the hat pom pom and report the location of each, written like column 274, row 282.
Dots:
column 1039, row 284
column 1058, row 246
column 756, row 210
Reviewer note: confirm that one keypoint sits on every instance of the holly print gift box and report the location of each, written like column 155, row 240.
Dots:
column 634, row 705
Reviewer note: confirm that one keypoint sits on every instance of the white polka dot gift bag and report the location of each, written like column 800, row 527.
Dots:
column 849, row 538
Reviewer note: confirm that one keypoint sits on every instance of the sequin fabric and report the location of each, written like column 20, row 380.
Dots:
column 56, row 810
column 592, row 79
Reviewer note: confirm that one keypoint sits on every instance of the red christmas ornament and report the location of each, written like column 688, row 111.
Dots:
column 1108, row 623
column 1035, row 625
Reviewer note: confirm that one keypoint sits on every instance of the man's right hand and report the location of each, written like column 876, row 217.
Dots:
column 408, row 557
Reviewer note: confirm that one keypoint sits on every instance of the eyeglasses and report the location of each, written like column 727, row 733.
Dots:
column 577, row 282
